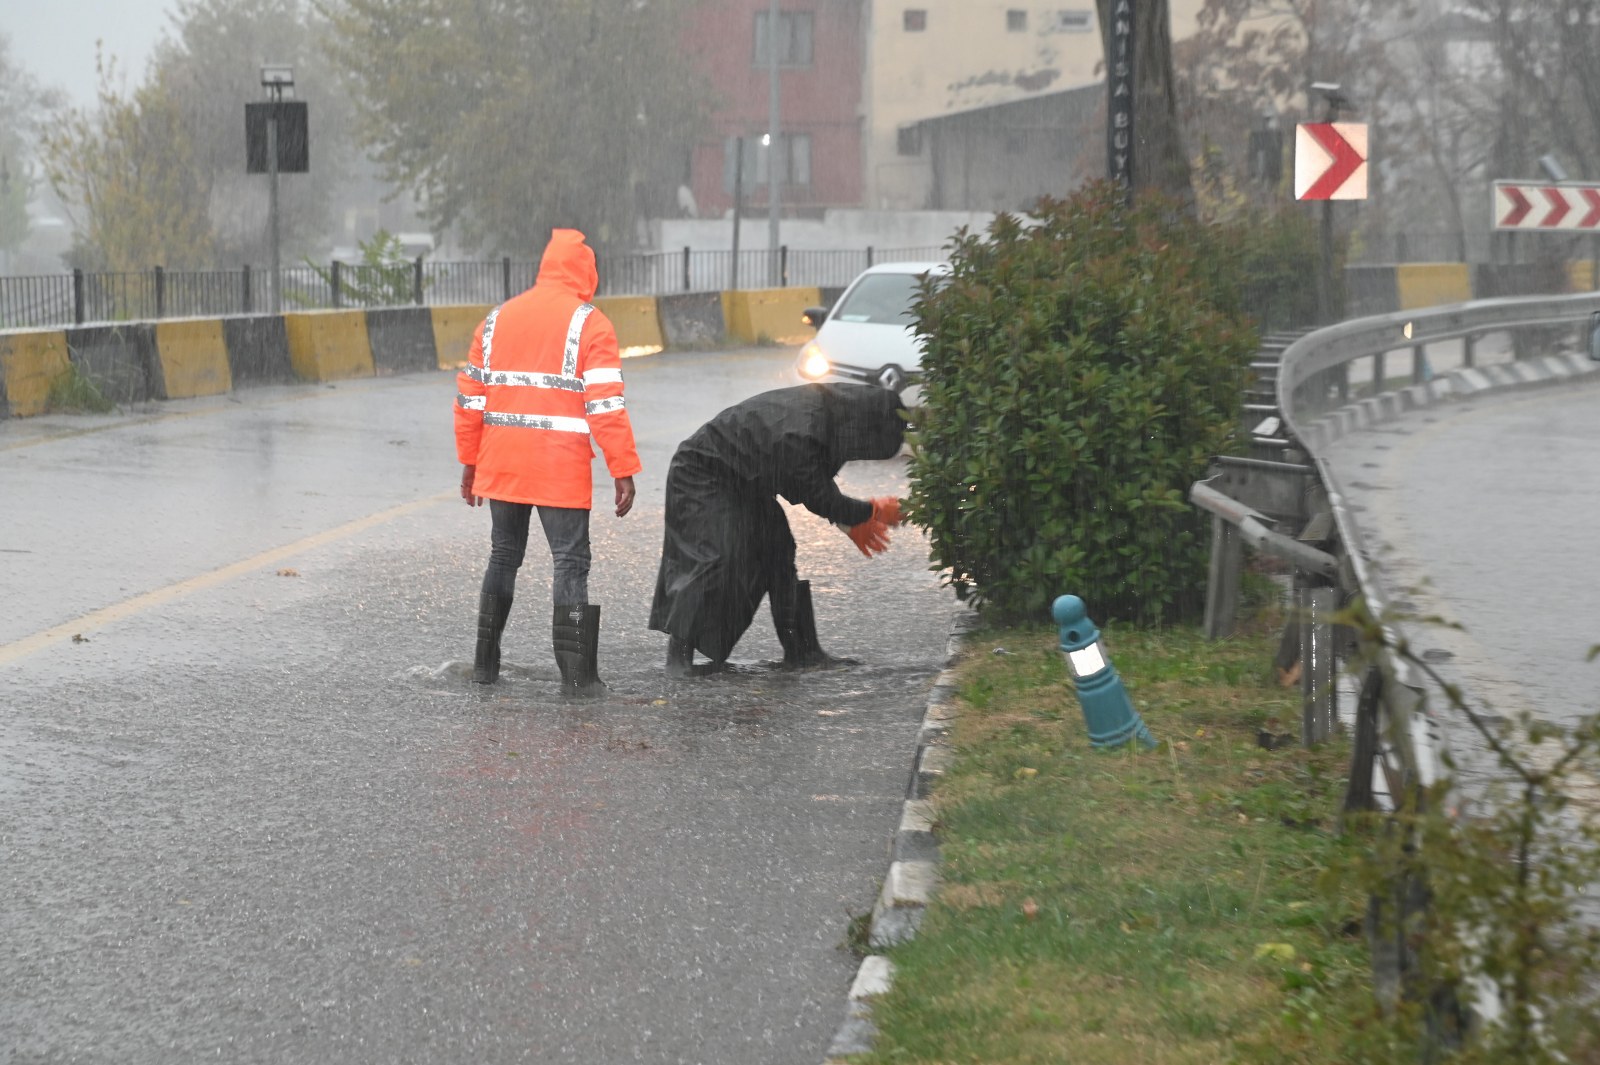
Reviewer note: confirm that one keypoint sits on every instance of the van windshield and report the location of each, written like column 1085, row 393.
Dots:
column 880, row 299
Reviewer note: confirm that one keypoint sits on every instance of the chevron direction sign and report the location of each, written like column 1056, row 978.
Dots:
column 1330, row 161
column 1547, row 208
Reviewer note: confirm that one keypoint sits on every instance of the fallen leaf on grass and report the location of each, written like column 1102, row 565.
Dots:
column 1277, row 951
column 1030, row 909
column 1026, row 773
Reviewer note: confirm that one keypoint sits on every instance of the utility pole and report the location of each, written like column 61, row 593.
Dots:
column 275, row 79
column 775, row 143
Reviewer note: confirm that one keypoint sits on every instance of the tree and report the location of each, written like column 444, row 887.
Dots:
column 23, row 104
column 212, row 62
column 127, row 173
column 1159, row 160
column 505, row 119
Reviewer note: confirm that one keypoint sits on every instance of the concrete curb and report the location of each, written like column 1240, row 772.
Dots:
column 1456, row 385
column 913, row 875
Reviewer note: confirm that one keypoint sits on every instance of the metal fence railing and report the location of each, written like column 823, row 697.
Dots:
column 92, row 296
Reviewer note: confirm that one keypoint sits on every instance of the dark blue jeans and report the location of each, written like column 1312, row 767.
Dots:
column 566, row 530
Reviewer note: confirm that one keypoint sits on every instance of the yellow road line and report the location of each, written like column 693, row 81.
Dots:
column 17, row 649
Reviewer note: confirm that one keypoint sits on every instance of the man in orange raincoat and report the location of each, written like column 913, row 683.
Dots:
column 543, row 381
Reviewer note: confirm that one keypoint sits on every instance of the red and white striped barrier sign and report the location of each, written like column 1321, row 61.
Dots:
column 1330, row 161
column 1535, row 206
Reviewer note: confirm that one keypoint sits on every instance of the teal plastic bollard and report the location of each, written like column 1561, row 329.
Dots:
column 1107, row 710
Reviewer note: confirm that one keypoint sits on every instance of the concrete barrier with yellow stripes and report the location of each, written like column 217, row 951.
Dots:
column 769, row 314
column 637, row 321
column 329, row 345
column 453, row 328
column 30, row 363
column 192, row 358
column 1432, row 284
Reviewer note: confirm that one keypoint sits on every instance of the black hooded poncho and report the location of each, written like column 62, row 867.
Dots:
column 727, row 539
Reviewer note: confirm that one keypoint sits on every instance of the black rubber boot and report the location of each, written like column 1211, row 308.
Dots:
column 492, row 613
column 784, row 602
column 680, row 657
column 575, row 637
column 809, row 654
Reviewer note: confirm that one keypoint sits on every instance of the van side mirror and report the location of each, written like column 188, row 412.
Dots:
column 813, row 316
column 1594, row 336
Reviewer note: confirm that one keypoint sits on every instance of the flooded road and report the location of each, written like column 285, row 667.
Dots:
column 252, row 808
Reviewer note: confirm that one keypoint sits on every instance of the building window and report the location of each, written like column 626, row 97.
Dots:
column 1075, row 21
column 794, row 39
column 916, row 19
column 1016, row 21
column 794, row 163
column 908, row 140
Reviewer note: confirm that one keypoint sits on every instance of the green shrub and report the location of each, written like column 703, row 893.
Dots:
column 1080, row 373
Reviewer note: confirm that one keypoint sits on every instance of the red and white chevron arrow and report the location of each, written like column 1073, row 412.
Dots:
column 1330, row 161
column 1551, row 208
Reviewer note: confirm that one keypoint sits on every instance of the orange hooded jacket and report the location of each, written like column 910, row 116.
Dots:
column 543, row 379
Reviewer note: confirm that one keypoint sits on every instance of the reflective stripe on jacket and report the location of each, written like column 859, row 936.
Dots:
column 543, row 379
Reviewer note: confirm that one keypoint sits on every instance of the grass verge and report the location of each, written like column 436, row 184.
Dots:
column 1132, row 906
column 74, row 392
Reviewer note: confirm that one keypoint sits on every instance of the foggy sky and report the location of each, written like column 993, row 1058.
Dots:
column 55, row 39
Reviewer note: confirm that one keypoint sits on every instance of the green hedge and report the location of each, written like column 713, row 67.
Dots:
column 1081, row 371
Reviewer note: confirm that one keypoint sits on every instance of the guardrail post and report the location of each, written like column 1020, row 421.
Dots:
column 869, row 255
column 335, row 278
column 77, row 295
column 416, row 281
column 244, row 288
column 688, row 285
column 505, row 276
column 1469, row 349
column 1380, row 372
column 1317, row 692
column 783, row 265
column 1419, row 364
column 1222, row 583
column 161, row 292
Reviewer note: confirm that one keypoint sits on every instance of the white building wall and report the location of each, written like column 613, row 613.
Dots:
column 969, row 53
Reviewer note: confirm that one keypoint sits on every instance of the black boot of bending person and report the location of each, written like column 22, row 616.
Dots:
column 681, row 663
column 575, row 638
column 796, row 623
column 492, row 613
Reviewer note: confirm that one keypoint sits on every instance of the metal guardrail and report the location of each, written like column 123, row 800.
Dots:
column 1282, row 498
column 88, row 296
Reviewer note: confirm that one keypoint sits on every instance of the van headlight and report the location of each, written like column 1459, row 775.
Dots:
column 813, row 363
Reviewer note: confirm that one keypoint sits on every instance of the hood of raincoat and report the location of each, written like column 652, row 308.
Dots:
column 864, row 421
column 568, row 263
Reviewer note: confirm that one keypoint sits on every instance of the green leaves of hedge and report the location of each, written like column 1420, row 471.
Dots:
column 1079, row 374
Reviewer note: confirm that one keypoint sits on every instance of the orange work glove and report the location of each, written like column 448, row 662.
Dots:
column 887, row 510
column 871, row 536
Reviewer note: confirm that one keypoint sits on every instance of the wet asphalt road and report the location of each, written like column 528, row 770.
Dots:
column 253, row 810
column 1482, row 513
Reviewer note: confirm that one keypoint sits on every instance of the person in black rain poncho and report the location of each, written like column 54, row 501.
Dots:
column 727, row 539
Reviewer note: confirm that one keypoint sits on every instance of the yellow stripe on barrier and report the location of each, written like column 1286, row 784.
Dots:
column 771, row 314
column 194, row 358
column 329, row 345
column 31, row 363
column 452, row 331
column 1581, row 276
column 637, row 323
column 1432, row 284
